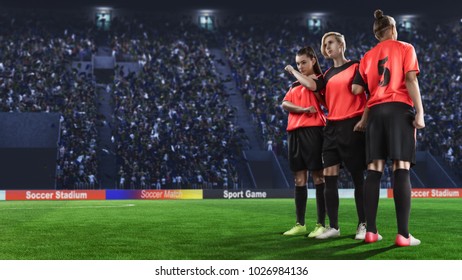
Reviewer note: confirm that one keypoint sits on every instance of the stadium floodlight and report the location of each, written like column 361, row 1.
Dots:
column 314, row 21
column 206, row 19
column 103, row 17
column 407, row 22
column 317, row 14
column 100, row 8
column 206, row 12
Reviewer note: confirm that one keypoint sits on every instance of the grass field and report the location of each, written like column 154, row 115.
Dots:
column 213, row 229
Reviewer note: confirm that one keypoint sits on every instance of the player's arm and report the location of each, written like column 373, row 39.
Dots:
column 320, row 86
column 357, row 89
column 358, row 85
column 312, row 82
column 361, row 125
column 412, row 85
column 307, row 81
column 291, row 107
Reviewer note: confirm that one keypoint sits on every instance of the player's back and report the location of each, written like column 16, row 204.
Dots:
column 383, row 69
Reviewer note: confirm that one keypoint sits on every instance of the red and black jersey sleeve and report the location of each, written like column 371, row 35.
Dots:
column 320, row 83
column 358, row 79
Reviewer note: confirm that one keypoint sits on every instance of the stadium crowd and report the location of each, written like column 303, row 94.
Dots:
column 35, row 77
column 441, row 60
column 173, row 127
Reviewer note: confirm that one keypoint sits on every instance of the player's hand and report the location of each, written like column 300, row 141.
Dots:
column 289, row 68
column 360, row 126
column 310, row 109
column 419, row 121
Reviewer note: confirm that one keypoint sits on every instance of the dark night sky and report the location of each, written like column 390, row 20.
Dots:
column 355, row 7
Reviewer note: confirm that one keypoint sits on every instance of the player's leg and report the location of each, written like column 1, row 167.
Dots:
column 332, row 201
column 352, row 148
column 301, row 195
column 300, row 172
column 357, row 174
column 402, row 195
column 312, row 155
column 331, row 160
column 402, row 198
column 371, row 198
column 358, row 180
column 331, row 194
column 320, row 227
column 318, row 179
column 377, row 133
column 402, row 151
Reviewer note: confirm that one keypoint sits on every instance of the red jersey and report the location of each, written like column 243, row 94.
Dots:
column 383, row 71
column 301, row 96
column 341, row 103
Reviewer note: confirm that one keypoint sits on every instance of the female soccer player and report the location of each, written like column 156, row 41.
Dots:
column 305, row 124
column 344, row 139
column 389, row 71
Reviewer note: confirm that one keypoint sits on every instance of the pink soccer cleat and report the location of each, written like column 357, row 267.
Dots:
column 372, row 237
column 403, row 241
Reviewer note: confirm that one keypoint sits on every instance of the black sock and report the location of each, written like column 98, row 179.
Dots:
column 371, row 198
column 301, row 194
column 332, row 202
column 321, row 204
column 358, row 180
column 402, row 197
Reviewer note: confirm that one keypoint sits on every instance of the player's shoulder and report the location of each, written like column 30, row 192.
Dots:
column 403, row 43
column 406, row 45
column 352, row 63
column 397, row 43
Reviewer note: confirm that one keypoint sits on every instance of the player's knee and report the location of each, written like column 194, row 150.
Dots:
column 399, row 164
column 318, row 177
column 376, row 165
column 300, row 181
column 332, row 170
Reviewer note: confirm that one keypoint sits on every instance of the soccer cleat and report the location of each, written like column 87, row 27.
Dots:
column 329, row 233
column 372, row 237
column 318, row 230
column 298, row 229
column 403, row 241
column 361, row 232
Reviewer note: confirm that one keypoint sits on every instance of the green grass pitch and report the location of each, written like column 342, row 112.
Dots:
column 213, row 230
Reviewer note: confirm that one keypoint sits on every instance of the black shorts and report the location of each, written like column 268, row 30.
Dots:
column 342, row 144
column 305, row 147
column 390, row 133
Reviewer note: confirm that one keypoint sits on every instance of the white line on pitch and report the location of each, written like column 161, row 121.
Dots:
column 72, row 207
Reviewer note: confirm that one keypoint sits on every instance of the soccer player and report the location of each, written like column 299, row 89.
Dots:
column 389, row 71
column 344, row 139
column 305, row 124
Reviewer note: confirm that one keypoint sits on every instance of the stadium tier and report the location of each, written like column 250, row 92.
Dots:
column 188, row 101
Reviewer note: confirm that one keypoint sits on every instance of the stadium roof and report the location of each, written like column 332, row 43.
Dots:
column 351, row 7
